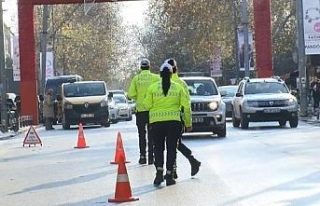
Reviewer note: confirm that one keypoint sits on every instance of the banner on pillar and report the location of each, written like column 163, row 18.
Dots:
column 311, row 24
column 241, row 50
column 49, row 64
column 15, row 58
column 215, row 63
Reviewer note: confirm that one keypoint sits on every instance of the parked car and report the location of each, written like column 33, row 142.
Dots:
column 55, row 83
column 208, row 109
column 264, row 100
column 113, row 109
column 227, row 94
column 122, row 103
column 132, row 104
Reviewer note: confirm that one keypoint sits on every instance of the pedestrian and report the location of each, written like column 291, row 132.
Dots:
column 137, row 91
column 40, row 107
column 164, row 100
column 315, row 85
column 185, row 151
column 48, row 110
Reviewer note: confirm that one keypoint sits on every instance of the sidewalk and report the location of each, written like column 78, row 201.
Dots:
column 310, row 119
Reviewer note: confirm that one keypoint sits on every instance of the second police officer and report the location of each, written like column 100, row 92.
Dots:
column 164, row 100
column 195, row 164
column 137, row 91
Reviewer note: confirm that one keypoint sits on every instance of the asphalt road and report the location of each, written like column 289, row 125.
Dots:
column 264, row 165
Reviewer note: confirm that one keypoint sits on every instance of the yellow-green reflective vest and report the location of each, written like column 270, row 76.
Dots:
column 138, row 88
column 181, row 82
column 167, row 108
column 184, row 85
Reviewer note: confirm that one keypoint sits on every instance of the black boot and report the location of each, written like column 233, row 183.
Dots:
column 150, row 160
column 142, row 160
column 195, row 166
column 169, row 179
column 159, row 178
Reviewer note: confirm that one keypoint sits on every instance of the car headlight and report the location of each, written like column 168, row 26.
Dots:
column 68, row 105
column 290, row 102
column 252, row 104
column 213, row 105
column 104, row 103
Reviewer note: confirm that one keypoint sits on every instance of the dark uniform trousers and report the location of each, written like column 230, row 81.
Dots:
column 142, row 122
column 166, row 132
column 185, row 151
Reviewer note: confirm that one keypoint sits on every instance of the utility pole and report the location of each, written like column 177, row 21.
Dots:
column 44, row 38
column 3, row 86
column 301, row 60
column 245, row 23
column 235, row 28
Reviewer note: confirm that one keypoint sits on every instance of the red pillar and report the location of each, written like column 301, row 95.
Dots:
column 262, row 37
column 28, row 74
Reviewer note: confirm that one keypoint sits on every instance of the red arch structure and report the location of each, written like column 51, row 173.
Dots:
column 262, row 36
column 28, row 84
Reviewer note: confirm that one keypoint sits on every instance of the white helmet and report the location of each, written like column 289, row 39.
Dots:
column 145, row 62
column 171, row 61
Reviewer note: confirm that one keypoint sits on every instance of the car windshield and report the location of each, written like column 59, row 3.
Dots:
column 265, row 87
column 201, row 87
column 229, row 90
column 84, row 89
column 120, row 99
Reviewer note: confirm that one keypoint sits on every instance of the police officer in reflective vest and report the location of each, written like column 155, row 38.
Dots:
column 164, row 100
column 137, row 91
column 195, row 164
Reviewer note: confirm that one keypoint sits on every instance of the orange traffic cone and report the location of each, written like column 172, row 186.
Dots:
column 81, row 140
column 119, row 151
column 123, row 189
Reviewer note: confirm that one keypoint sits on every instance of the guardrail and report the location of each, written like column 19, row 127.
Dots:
column 25, row 120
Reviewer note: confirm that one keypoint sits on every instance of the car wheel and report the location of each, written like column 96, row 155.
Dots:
column 65, row 125
column 130, row 118
column 235, row 121
column 294, row 122
column 282, row 123
column 222, row 132
column 106, row 123
column 243, row 121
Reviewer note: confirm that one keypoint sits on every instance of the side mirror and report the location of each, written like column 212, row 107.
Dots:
column 110, row 94
column 294, row 92
column 238, row 94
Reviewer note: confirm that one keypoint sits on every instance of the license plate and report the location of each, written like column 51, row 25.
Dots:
column 272, row 110
column 87, row 115
column 197, row 119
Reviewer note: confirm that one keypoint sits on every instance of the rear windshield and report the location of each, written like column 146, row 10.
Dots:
column 84, row 89
column 201, row 87
column 120, row 98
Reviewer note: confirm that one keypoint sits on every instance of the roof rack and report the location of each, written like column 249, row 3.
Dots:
column 247, row 79
column 277, row 78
